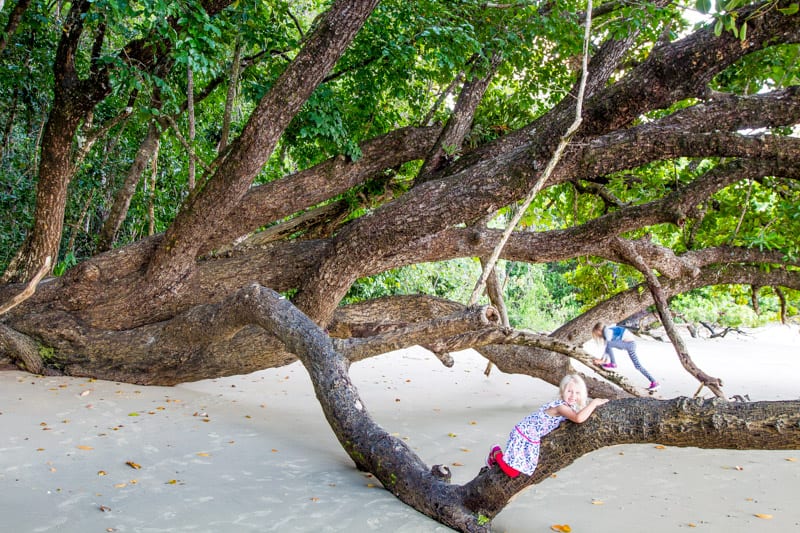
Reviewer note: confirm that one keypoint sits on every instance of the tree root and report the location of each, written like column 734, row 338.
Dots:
column 22, row 350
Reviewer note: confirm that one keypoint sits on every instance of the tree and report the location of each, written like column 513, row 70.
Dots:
column 378, row 135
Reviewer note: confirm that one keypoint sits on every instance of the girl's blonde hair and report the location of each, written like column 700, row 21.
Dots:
column 578, row 381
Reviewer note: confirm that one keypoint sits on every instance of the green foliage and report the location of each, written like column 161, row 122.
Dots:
column 321, row 131
column 761, row 215
column 17, row 195
column 453, row 280
column 598, row 279
column 728, row 306
column 538, row 297
column 66, row 263
column 728, row 15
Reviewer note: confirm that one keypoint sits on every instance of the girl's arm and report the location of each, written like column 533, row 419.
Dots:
column 579, row 417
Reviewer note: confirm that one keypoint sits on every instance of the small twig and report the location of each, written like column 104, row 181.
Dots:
column 186, row 144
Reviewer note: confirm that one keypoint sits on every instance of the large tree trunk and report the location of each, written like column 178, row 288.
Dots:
column 193, row 304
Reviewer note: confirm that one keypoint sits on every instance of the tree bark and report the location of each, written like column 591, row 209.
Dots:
column 174, row 259
column 192, row 168
column 679, row 422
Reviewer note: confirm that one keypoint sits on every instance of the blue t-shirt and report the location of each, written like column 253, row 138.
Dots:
column 614, row 333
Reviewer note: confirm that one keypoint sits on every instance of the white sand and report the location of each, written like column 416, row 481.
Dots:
column 254, row 453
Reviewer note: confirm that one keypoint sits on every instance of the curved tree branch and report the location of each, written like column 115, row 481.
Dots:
column 27, row 290
column 731, row 112
column 628, row 251
column 715, row 272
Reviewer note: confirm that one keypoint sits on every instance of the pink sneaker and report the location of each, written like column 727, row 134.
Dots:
column 609, row 366
column 654, row 385
column 490, row 461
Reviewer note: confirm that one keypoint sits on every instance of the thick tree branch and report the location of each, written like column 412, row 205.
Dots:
column 175, row 257
column 371, row 447
column 683, row 69
column 20, row 350
column 731, row 112
column 391, row 338
column 648, row 143
column 715, row 272
column 679, row 422
column 589, row 239
column 273, row 201
column 434, row 198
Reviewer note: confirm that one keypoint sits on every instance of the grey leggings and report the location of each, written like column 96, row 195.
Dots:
column 630, row 347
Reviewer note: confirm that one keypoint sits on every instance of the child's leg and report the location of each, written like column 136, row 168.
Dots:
column 631, row 348
column 609, row 353
column 497, row 455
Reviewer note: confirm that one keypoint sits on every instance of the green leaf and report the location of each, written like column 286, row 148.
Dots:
column 791, row 10
column 703, row 6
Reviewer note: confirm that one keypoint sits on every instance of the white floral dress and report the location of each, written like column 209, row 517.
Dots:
column 522, row 449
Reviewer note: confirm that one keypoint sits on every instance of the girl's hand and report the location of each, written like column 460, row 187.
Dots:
column 580, row 417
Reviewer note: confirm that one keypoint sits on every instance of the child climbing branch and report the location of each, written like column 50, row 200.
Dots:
column 522, row 448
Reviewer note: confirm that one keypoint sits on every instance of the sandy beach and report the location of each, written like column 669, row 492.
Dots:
column 254, row 453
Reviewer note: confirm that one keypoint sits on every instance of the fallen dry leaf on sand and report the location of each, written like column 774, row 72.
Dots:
column 131, row 464
column 763, row 516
